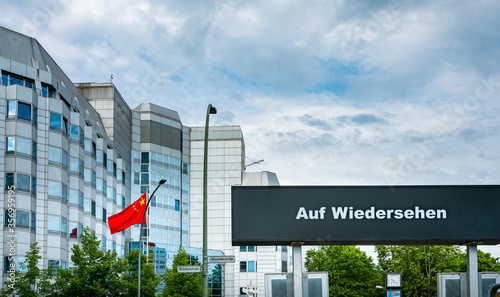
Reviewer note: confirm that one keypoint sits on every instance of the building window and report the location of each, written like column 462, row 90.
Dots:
column 9, row 180
column 243, row 266
column 10, row 144
column 65, row 159
column 24, row 111
column 177, row 205
column 55, row 121
column 33, row 185
column 105, row 188
column 114, row 169
column 73, row 197
column 54, row 189
column 93, row 208
column 86, row 205
column 104, row 243
column 64, row 226
column 74, row 133
column 104, row 216
column 249, row 248
column 23, row 182
column 123, row 177
column 54, row 155
column 11, row 109
column 11, row 79
column 73, row 165
column 252, row 266
column 54, row 224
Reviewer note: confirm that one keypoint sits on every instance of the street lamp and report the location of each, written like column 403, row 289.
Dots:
column 210, row 110
column 140, row 239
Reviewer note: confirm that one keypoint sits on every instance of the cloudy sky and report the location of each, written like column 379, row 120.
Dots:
column 326, row 92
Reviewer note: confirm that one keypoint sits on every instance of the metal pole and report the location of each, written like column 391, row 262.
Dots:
column 210, row 110
column 297, row 270
column 472, row 272
column 140, row 239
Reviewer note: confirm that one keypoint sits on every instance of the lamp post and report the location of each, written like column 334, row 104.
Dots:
column 210, row 110
column 140, row 239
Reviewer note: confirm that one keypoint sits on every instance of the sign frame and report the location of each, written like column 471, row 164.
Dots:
column 366, row 215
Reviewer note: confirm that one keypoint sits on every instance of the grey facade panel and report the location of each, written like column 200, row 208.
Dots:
column 160, row 134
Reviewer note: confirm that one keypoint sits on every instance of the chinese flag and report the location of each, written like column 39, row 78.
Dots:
column 129, row 216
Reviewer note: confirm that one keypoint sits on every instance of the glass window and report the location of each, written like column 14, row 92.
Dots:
column 243, row 266
column 93, row 208
column 64, row 193
column 33, row 150
column 109, row 193
column 109, row 166
column 243, row 248
column 24, row 146
column 104, row 244
column 87, row 175
column 73, row 165
column 251, row 248
column 33, row 220
column 80, row 202
column 54, row 224
column 35, row 115
column 22, row 218
column 98, row 215
column 177, row 207
column 23, row 182
column 123, row 177
column 98, row 184
column 251, row 266
column 73, row 228
column 93, row 149
column 64, row 226
column 45, row 91
column 81, row 168
column 114, row 195
column 33, row 185
column 54, row 154
column 11, row 144
column 88, row 145
column 65, row 126
column 74, row 132
column 123, row 204
column 55, row 264
column 104, row 217
column 55, row 121
column 73, row 197
column 145, row 157
column 114, row 169
column 9, row 180
column 54, row 189
column 93, row 178
column 5, row 79
column 105, row 187
column 86, row 205
column 24, row 111
column 82, row 137
column 15, row 81
column 105, row 160
column 11, row 109
column 144, row 178
column 99, row 156
column 64, row 159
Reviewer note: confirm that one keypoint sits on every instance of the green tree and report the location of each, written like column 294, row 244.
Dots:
column 350, row 271
column 182, row 284
column 149, row 279
column 30, row 280
column 420, row 265
column 486, row 262
column 95, row 272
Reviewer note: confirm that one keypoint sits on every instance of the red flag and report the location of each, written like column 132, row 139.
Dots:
column 129, row 216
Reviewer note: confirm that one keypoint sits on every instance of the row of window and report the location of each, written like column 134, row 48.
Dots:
column 248, row 266
column 21, row 146
column 9, row 79
column 249, row 248
column 20, row 218
column 22, row 182
column 23, row 111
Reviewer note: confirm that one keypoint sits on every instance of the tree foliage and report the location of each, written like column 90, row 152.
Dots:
column 30, row 280
column 149, row 279
column 350, row 271
column 182, row 284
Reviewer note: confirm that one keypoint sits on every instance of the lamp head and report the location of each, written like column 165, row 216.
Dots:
column 213, row 110
column 162, row 181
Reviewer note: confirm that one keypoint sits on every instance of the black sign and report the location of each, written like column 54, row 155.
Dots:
column 365, row 215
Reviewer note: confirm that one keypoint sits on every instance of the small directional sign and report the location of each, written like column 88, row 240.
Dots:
column 221, row 259
column 189, row 269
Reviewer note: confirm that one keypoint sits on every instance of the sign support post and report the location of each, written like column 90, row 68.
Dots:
column 472, row 271
column 297, row 270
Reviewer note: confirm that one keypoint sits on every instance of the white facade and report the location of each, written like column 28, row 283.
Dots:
column 226, row 155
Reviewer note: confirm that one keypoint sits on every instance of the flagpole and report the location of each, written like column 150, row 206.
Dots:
column 140, row 239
